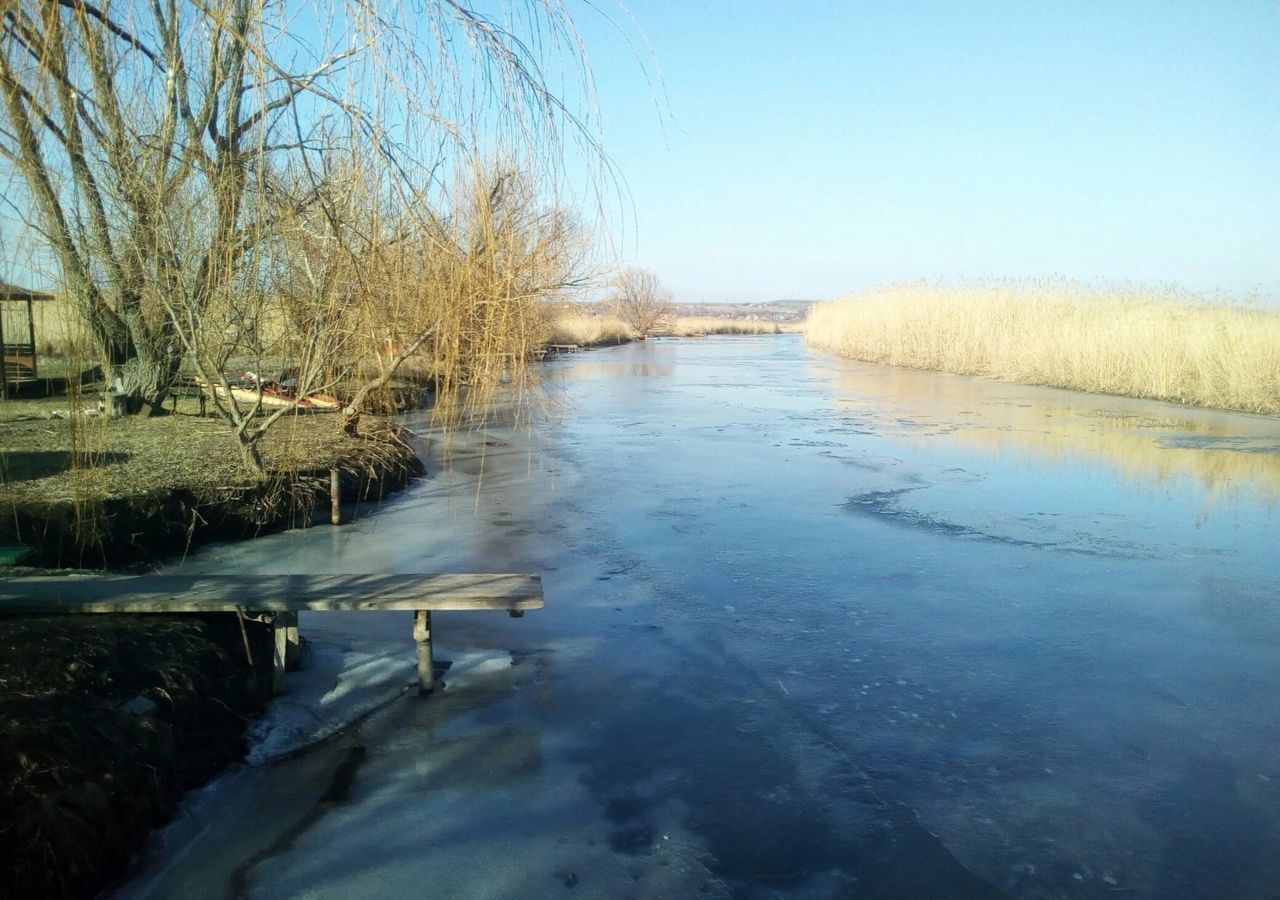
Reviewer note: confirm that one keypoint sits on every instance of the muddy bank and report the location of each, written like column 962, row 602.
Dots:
column 104, row 722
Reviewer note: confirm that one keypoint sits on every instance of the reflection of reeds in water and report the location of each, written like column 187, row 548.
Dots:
column 1132, row 342
column 1226, row 454
column 585, row 371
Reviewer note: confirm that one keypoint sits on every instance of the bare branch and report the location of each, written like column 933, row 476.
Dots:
column 640, row 300
column 91, row 11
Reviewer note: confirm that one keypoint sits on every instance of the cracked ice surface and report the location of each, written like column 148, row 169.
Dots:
column 813, row 629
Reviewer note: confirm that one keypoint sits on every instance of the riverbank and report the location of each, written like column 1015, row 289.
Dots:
column 98, row 492
column 607, row 331
column 589, row 331
column 703, row 326
column 107, row 720
column 1132, row 342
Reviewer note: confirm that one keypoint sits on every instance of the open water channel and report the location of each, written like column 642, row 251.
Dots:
column 814, row 629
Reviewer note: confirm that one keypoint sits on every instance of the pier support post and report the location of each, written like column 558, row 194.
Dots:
column 287, row 649
column 422, row 637
column 335, row 498
column 288, row 621
column 279, row 653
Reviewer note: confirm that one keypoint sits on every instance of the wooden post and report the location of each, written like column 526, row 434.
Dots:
column 288, row 623
column 280, row 652
column 31, row 330
column 287, row 652
column 335, row 498
column 422, row 636
column 4, row 377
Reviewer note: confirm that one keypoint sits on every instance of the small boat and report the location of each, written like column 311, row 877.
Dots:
column 275, row 394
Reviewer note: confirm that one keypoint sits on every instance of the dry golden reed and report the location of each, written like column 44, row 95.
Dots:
column 689, row 326
column 1161, row 344
column 593, row 331
column 588, row 331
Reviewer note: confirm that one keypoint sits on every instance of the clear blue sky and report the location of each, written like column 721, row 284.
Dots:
column 816, row 148
column 810, row 149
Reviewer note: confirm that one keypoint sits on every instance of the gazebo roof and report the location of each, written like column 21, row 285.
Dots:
column 13, row 292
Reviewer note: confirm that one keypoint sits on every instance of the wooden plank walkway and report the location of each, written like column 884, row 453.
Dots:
column 276, row 599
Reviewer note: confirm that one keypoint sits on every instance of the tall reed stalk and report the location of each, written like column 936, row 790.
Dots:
column 1162, row 344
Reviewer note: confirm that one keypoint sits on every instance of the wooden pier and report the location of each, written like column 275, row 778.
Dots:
column 276, row 600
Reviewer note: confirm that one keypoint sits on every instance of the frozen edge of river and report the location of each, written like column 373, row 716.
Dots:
column 337, row 687
column 340, row 686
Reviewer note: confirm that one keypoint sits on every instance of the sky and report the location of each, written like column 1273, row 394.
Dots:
column 808, row 150
column 812, row 149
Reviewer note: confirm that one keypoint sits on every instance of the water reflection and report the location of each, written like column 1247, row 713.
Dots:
column 1148, row 442
column 498, row 517
column 644, row 368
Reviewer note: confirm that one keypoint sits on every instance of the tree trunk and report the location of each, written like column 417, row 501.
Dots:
column 252, row 459
column 142, row 381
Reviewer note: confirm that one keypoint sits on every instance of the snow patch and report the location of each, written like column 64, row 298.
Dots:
column 335, row 687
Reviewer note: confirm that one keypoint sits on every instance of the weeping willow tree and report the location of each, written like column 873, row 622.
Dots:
column 466, row 293
column 199, row 168
column 359, row 288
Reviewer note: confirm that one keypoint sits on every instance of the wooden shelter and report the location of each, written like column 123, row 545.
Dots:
column 18, row 335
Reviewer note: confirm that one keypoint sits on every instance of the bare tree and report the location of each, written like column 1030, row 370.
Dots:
column 357, row 294
column 174, row 151
column 641, row 300
column 464, row 295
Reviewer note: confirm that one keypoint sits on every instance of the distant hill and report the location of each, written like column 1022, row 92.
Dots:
column 773, row 311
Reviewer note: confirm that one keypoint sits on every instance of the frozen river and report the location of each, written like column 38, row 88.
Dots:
column 814, row 629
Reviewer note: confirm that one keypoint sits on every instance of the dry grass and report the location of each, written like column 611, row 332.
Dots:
column 76, row 458
column 694, row 326
column 595, row 331
column 81, row 779
column 588, row 331
column 1158, row 344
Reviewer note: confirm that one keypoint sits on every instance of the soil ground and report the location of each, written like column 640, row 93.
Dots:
column 46, row 453
column 81, row 490
column 106, row 720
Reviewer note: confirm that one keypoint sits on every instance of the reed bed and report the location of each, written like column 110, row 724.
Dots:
column 689, row 326
column 1159, row 344
column 594, row 331
column 588, row 331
